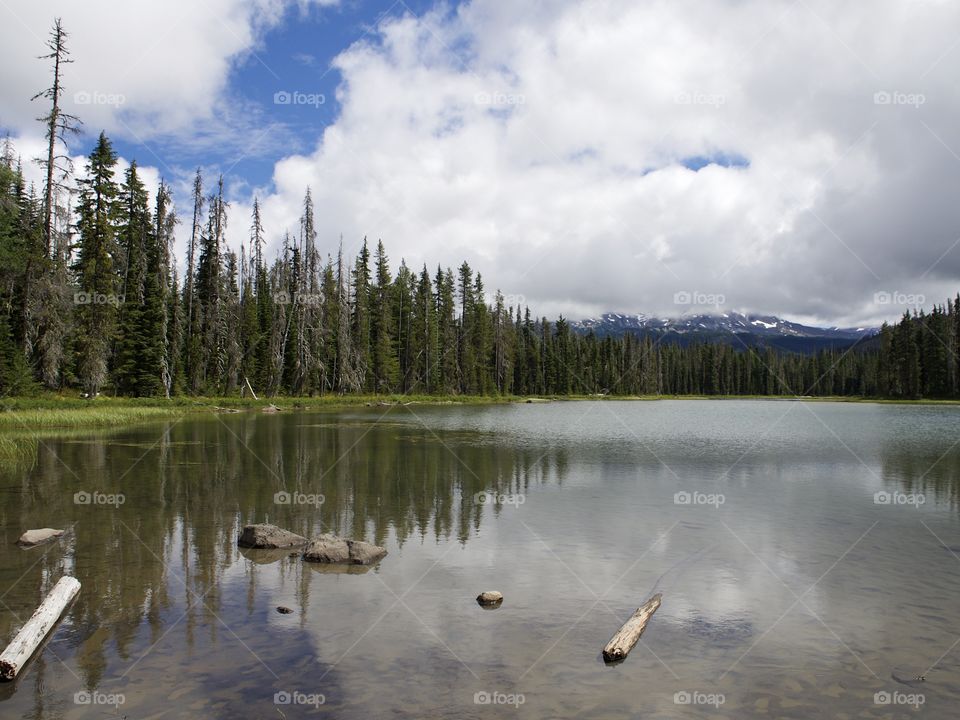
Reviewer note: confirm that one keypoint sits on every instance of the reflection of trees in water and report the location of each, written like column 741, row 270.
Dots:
column 936, row 475
column 188, row 493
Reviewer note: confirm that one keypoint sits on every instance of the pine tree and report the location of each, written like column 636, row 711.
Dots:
column 96, row 268
column 384, row 365
column 360, row 321
column 139, row 368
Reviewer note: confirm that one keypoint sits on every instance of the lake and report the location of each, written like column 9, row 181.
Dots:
column 808, row 555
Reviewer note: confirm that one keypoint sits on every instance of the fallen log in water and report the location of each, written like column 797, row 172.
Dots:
column 626, row 637
column 37, row 627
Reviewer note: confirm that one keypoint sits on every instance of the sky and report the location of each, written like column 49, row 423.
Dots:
column 663, row 157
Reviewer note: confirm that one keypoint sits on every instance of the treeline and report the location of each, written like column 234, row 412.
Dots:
column 104, row 310
column 91, row 299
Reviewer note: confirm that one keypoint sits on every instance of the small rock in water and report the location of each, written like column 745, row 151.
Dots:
column 268, row 537
column 283, row 610
column 490, row 598
column 36, row 537
column 332, row 549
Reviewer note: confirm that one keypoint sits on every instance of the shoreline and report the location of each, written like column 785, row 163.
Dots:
column 64, row 412
column 26, row 421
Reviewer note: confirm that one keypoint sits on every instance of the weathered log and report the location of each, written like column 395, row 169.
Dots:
column 37, row 537
column 626, row 637
column 250, row 387
column 36, row 628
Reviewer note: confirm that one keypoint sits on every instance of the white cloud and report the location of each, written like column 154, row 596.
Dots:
column 543, row 142
column 564, row 182
column 139, row 68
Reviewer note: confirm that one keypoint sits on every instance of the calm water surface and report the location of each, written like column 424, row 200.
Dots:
column 808, row 555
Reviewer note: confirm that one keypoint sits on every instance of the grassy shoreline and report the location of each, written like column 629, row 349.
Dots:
column 66, row 411
column 25, row 421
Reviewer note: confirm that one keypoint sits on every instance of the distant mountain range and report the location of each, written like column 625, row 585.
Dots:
column 731, row 328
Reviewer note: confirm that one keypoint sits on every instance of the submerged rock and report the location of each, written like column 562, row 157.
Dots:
column 490, row 598
column 268, row 537
column 333, row 549
column 37, row 537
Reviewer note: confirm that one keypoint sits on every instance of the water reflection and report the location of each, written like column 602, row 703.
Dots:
column 179, row 619
column 188, row 487
column 935, row 475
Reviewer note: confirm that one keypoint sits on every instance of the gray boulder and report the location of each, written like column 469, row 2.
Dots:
column 37, row 537
column 268, row 537
column 332, row 549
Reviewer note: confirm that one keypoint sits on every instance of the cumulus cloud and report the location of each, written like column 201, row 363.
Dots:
column 140, row 68
column 552, row 146
column 798, row 157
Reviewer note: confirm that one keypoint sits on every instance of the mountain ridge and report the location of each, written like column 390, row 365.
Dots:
column 747, row 329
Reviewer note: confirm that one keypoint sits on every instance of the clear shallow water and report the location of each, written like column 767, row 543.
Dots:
column 788, row 590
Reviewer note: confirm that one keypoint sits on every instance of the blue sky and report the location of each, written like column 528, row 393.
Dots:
column 294, row 56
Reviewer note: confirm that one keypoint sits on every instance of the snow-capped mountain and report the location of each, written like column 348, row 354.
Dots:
column 735, row 328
